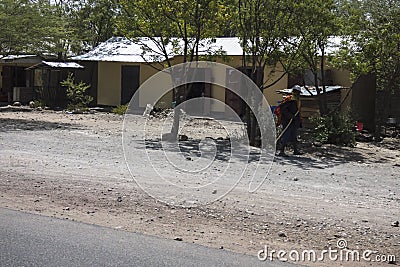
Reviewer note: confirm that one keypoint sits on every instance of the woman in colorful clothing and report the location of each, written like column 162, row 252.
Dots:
column 291, row 121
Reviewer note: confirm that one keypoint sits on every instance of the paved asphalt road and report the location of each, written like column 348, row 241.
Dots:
column 33, row 240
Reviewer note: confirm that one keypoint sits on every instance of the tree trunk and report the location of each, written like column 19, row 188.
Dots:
column 180, row 98
column 321, row 97
column 381, row 111
column 175, row 125
column 254, row 129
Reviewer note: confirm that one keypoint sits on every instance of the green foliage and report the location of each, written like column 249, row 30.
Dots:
column 38, row 104
column 23, row 26
column 57, row 27
column 166, row 22
column 76, row 94
column 316, row 22
column 335, row 128
column 372, row 45
column 262, row 37
column 120, row 109
column 40, row 99
column 92, row 21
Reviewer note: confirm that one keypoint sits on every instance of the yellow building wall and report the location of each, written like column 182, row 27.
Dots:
column 147, row 96
column 147, row 71
column 270, row 93
column 109, row 83
column 341, row 77
column 217, row 91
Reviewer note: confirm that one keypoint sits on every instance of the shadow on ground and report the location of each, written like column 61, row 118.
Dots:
column 328, row 156
column 313, row 157
column 223, row 151
column 10, row 125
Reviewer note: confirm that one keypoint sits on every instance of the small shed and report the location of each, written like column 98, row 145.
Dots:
column 336, row 96
column 15, row 79
column 47, row 78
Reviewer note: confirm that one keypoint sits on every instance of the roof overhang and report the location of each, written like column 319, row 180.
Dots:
column 311, row 91
column 20, row 60
column 56, row 65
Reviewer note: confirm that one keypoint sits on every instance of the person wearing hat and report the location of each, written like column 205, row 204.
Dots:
column 291, row 121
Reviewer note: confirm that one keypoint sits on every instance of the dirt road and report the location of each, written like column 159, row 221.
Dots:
column 71, row 166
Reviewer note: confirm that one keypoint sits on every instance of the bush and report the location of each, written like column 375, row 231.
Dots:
column 41, row 100
column 38, row 104
column 336, row 128
column 76, row 94
column 120, row 109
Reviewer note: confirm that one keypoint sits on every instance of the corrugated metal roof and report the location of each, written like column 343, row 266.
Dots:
column 13, row 57
column 121, row 49
column 70, row 65
column 62, row 65
column 312, row 90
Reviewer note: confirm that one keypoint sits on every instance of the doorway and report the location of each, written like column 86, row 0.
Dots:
column 130, row 82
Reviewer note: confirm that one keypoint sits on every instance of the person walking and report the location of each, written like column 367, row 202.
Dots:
column 291, row 121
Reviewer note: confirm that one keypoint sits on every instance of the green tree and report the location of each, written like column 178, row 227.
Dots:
column 372, row 46
column 76, row 94
column 62, row 27
column 57, row 37
column 12, row 35
column 27, row 27
column 92, row 21
column 315, row 23
column 263, row 30
column 181, row 25
column 174, row 28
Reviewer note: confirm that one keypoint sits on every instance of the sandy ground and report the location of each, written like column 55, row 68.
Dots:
column 71, row 166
